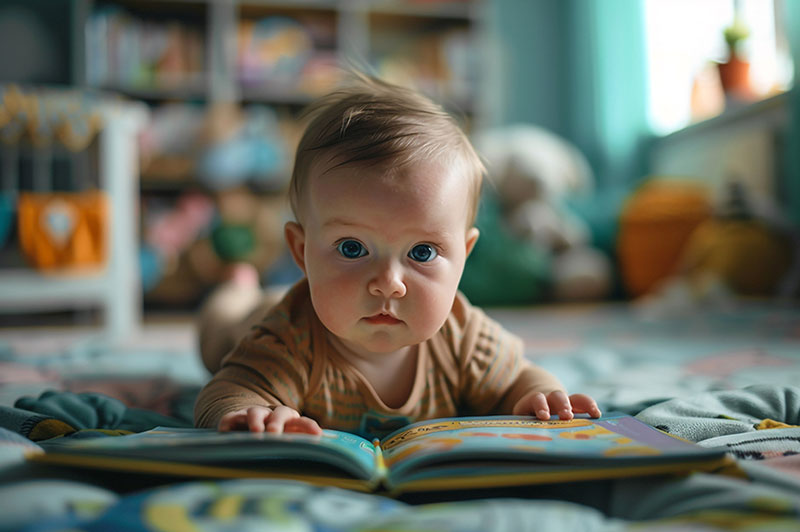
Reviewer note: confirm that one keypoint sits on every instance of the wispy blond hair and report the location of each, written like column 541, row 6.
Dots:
column 371, row 122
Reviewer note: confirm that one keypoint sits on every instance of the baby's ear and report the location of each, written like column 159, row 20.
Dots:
column 472, row 237
column 296, row 239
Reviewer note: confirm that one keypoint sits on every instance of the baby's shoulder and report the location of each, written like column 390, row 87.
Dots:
column 287, row 326
column 461, row 324
column 464, row 318
column 469, row 329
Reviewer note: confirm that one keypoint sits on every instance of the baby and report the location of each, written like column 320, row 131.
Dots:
column 376, row 335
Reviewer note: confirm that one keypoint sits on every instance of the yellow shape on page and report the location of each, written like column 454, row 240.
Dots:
column 590, row 433
column 631, row 450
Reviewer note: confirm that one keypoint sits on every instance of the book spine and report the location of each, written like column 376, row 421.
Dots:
column 380, row 463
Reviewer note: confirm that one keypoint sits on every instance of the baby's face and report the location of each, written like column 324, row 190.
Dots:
column 384, row 254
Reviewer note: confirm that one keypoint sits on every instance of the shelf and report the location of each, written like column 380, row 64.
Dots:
column 772, row 110
column 177, row 91
column 744, row 144
column 265, row 95
column 30, row 291
column 169, row 186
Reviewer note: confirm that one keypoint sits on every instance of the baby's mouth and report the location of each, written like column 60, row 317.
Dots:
column 382, row 319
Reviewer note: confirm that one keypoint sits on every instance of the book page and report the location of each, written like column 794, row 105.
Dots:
column 523, row 440
column 239, row 449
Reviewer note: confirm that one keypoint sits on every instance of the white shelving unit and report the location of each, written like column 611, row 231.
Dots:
column 115, row 287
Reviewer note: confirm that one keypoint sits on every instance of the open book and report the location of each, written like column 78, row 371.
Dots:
column 442, row 454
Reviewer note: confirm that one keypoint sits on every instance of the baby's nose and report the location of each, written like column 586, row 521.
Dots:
column 387, row 282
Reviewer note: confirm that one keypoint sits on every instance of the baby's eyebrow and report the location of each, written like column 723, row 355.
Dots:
column 342, row 221
column 433, row 236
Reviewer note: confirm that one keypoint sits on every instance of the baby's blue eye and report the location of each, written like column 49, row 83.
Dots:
column 422, row 253
column 351, row 249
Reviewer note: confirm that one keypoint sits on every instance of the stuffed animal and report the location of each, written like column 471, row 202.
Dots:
column 534, row 173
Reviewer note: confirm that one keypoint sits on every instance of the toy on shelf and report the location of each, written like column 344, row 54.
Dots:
column 439, row 63
column 168, row 145
column 187, row 255
column 63, row 230
column 128, row 52
column 218, row 147
column 243, row 146
column 290, row 58
column 273, row 51
column 169, row 232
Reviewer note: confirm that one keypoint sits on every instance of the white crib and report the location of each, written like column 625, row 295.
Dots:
column 114, row 286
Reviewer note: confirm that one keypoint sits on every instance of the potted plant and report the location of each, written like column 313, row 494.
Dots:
column 734, row 74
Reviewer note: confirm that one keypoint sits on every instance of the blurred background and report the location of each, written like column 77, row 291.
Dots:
column 638, row 150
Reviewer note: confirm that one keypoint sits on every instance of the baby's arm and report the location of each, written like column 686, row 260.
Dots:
column 496, row 378
column 240, row 397
column 227, row 405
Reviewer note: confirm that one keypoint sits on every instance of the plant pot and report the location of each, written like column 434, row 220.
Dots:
column 735, row 78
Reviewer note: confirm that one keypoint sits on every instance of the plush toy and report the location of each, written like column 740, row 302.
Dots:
column 241, row 146
column 534, row 173
column 192, row 247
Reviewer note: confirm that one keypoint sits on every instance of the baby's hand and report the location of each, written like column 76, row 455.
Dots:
column 540, row 405
column 262, row 419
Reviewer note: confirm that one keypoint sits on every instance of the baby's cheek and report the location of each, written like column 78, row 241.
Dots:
column 430, row 312
column 334, row 304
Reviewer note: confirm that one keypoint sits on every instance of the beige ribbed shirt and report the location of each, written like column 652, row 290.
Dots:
column 472, row 366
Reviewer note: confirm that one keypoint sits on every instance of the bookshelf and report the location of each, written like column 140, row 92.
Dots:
column 272, row 51
column 225, row 80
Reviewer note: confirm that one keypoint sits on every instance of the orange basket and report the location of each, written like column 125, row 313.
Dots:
column 63, row 230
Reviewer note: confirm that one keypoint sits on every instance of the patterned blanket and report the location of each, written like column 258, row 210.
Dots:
column 721, row 377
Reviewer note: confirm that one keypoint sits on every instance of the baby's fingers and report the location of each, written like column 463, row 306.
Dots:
column 585, row 404
column 559, row 404
column 532, row 404
column 251, row 419
column 233, row 421
column 280, row 417
column 302, row 424
column 256, row 418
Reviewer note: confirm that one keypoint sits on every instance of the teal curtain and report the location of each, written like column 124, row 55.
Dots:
column 577, row 68
column 607, row 87
column 792, row 176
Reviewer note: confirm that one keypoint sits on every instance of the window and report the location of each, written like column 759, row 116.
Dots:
column 685, row 41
